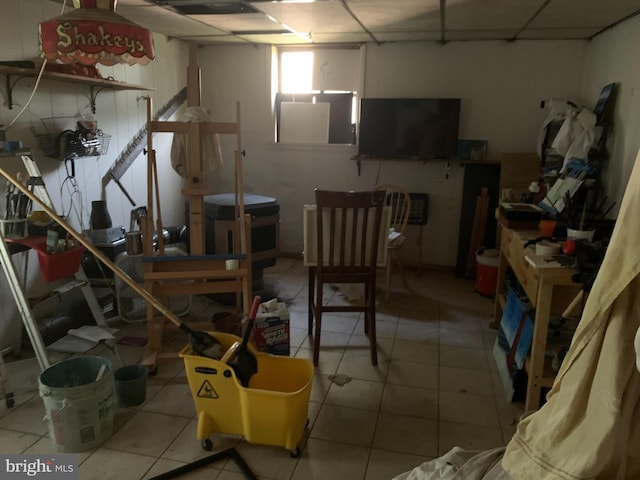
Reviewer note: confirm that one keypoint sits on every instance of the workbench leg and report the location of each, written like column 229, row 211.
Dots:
column 419, row 272
column 538, row 347
column 497, row 305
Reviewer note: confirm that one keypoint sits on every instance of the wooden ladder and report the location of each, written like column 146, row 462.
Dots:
column 15, row 284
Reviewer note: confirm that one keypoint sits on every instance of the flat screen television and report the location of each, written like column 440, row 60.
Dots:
column 425, row 128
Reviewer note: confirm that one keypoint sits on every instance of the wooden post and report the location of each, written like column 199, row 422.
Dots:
column 193, row 77
column 479, row 226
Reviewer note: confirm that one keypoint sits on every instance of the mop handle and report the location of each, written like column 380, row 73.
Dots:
column 231, row 352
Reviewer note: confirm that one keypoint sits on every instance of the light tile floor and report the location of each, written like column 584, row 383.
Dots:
column 435, row 387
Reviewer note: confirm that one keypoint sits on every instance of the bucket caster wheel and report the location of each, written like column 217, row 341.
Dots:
column 295, row 453
column 207, row 445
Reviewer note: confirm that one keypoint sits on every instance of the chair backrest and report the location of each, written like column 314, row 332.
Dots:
column 400, row 202
column 348, row 230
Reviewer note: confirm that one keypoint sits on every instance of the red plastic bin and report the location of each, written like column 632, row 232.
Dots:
column 57, row 265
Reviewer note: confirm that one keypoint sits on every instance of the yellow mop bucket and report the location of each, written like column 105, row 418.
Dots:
column 273, row 410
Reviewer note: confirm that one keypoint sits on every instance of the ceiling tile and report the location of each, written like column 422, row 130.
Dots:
column 361, row 37
column 164, row 21
column 584, row 13
column 245, row 21
column 557, row 33
column 281, row 39
column 494, row 34
column 212, row 39
column 399, row 15
column 407, row 36
column 325, row 17
column 347, row 21
column 489, row 14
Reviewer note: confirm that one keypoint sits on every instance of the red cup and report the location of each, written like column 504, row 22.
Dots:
column 547, row 227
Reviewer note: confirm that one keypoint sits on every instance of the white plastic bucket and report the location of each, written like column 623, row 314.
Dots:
column 78, row 405
column 573, row 234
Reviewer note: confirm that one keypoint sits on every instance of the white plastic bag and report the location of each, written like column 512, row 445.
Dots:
column 210, row 147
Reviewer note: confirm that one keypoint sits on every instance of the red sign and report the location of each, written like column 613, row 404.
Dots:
column 94, row 35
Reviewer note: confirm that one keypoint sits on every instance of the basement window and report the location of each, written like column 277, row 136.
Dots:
column 315, row 102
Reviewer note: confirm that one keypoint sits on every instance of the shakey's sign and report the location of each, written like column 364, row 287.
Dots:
column 89, row 34
column 118, row 39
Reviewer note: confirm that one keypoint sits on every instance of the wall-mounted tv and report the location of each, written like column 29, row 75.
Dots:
column 424, row 128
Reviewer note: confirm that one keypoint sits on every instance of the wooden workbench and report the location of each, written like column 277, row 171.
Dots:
column 550, row 289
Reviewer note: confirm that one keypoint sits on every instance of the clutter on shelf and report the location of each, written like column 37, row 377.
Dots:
column 62, row 139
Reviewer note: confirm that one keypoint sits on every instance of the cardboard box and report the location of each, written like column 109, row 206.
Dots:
column 271, row 333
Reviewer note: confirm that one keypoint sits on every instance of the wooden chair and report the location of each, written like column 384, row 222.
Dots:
column 400, row 202
column 347, row 234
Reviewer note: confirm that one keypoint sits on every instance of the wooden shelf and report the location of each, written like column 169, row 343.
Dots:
column 549, row 289
column 424, row 160
column 462, row 163
column 96, row 85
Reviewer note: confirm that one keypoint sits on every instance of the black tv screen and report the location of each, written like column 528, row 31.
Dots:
column 425, row 128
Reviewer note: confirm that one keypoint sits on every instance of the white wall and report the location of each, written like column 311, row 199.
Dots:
column 119, row 114
column 613, row 57
column 501, row 85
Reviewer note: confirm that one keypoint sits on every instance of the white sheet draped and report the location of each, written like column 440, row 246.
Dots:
column 590, row 426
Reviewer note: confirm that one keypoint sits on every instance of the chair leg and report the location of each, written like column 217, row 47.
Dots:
column 366, row 313
column 387, row 278
column 312, row 281
column 373, row 342
column 318, row 315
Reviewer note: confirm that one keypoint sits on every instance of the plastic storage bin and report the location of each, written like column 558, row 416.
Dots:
column 273, row 410
column 59, row 265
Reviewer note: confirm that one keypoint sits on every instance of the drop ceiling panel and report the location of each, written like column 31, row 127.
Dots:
column 244, row 21
column 329, row 21
column 399, row 15
column 557, row 33
column 158, row 19
column 212, row 39
column 489, row 14
column 407, row 36
column 584, row 13
column 325, row 17
column 280, row 39
column 361, row 37
column 494, row 34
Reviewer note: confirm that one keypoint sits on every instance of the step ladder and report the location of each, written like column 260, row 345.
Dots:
column 17, row 289
column 4, row 384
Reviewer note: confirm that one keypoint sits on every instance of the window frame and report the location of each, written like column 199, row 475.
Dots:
column 343, row 111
